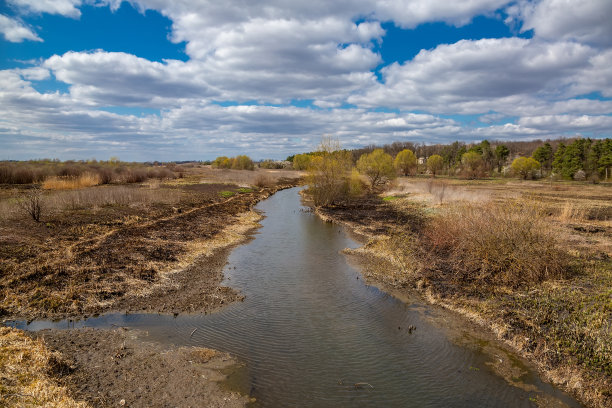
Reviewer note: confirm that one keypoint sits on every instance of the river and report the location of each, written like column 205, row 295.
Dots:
column 310, row 329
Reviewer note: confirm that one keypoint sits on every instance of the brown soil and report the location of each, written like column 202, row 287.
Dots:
column 119, row 368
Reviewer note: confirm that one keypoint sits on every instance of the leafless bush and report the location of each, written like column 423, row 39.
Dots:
column 32, row 204
column 263, row 180
column 509, row 244
column 135, row 176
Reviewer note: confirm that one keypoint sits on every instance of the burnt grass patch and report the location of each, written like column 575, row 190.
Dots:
column 89, row 260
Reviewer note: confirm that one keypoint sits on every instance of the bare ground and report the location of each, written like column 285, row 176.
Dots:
column 111, row 368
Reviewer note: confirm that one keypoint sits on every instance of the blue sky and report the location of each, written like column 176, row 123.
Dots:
column 194, row 79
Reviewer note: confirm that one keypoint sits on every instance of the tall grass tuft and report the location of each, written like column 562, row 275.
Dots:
column 509, row 244
column 71, row 183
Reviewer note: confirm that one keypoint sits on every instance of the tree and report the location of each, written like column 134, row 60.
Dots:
column 488, row 156
column 328, row 174
column 501, row 154
column 222, row 162
column 544, row 155
column 378, row 166
column 242, row 162
column 471, row 162
column 525, row 167
column 405, row 162
column 301, row 161
column 435, row 163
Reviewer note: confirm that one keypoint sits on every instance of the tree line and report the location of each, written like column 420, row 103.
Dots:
column 578, row 159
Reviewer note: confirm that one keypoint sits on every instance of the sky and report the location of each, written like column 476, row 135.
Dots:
column 196, row 79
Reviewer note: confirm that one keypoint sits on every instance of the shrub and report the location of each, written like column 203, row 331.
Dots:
column 495, row 244
column 328, row 173
column 580, row 175
column 32, row 204
column 135, row 176
column 270, row 164
column 262, row 180
column 222, row 162
column 106, row 175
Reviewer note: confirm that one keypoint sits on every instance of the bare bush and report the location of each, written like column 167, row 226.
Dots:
column 32, row 204
column 509, row 244
column 263, row 180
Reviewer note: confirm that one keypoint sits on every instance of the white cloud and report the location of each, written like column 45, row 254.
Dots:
column 478, row 76
column 68, row 8
column 16, row 31
column 409, row 13
column 564, row 123
column 116, row 78
column 587, row 21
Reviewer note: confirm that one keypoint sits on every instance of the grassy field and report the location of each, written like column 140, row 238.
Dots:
column 530, row 260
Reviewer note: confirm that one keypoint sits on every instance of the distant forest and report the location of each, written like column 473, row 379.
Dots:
column 567, row 158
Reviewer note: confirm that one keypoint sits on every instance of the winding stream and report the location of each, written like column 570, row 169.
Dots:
column 309, row 329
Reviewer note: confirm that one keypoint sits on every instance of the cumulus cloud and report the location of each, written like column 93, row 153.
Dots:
column 116, row 78
column 15, row 31
column 587, row 21
column 68, row 8
column 409, row 13
column 476, row 76
column 325, row 51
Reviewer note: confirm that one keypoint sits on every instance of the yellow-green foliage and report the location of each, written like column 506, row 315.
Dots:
column 301, row 161
column 328, row 173
column 435, row 163
column 525, row 167
column 471, row 163
column 405, row 162
column 241, row 162
column 355, row 184
column 222, row 162
column 378, row 166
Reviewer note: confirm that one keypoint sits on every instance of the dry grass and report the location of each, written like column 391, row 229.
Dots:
column 507, row 244
column 72, row 183
column 243, row 178
column 26, row 370
column 436, row 191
